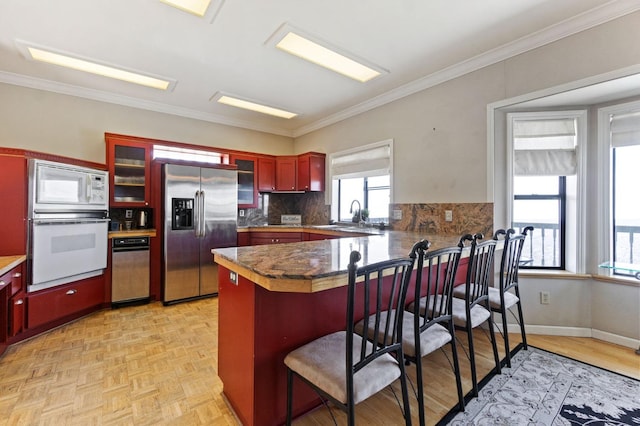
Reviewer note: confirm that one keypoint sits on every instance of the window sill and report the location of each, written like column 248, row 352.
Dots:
column 556, row 274
column 615, row 279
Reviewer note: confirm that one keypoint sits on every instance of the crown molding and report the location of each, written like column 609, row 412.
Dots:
column 592, row 18
column 112, row 98
column 584, row 21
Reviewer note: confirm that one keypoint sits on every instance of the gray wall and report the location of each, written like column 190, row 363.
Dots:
column 75, row 127
column 441, row 155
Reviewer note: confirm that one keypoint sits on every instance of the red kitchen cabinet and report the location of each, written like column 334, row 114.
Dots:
column 286, row 173
column 65, row 301
column 17, row 310
column 260, row 238
column 247, row 180
column 129, row 162
column 311, row 172
column 266, row 174
column 244, row 239
column 13, row 214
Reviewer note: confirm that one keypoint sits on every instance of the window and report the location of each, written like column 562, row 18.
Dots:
column 540, row 201
column 364, row 175
column 544, row 185
column 623, row 145
column 373, row 193
column 188, row 154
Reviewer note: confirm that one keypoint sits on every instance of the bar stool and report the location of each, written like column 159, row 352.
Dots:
column 344, row 367
column 502, row 299
column 429, row 321
column 473, row 310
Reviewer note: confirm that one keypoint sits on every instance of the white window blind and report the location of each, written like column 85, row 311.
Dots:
column 625, row 129
column 545, row 147
column 371, row 160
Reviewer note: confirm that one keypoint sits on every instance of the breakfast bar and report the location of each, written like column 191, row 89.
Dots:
column 275, row 298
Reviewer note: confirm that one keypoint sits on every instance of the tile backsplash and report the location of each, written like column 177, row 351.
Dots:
column 271, row 207
column 430, row 218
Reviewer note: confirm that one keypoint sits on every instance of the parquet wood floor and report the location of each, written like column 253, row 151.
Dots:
column 156, row 365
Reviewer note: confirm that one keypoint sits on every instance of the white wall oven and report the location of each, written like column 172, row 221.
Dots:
column 68, row 215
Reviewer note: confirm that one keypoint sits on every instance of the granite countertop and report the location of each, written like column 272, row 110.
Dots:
column 311, row 266
column 317, row 229
column 7, row 263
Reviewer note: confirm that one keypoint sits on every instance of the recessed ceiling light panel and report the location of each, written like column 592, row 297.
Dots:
column 197, row 7
column 251, row 105
column 50, row 56
column 312, row 49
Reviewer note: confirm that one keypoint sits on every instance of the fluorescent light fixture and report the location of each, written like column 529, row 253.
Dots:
column 241, row 103
column 318, row 53
column 197, row 7
column 50, row 57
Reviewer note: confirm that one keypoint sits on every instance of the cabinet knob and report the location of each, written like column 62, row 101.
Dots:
column 71, row 292
column 19, row 302
column 17, row 275
column 2, row 283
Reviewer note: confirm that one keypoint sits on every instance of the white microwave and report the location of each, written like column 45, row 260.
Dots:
column 58, row 187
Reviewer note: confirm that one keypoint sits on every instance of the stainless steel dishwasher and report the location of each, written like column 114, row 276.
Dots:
column 130, row 271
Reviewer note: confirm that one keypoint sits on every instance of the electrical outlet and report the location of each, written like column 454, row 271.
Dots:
column 448, row 215
column 545, row 297
column 241, row 212
column 233, row 277
column 397, row 214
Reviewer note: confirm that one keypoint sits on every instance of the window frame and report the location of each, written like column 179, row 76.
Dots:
column 561, row 196
column 574, row 259
column 605, row 218
column 333, row 193
column 365, row 195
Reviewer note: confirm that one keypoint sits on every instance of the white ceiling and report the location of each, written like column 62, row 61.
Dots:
column 420, row 42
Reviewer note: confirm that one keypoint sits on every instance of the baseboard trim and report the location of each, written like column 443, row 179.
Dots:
column 551, row 330
column 615, row 338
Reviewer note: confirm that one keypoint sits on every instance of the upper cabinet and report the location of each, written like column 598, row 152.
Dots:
column 129, row 170
column 247, row 180
column 266, row 174
column 286, row 173
column 311, row 168
column 305, row 172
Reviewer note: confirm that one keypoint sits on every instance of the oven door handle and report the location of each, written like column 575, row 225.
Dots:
column 66, row 221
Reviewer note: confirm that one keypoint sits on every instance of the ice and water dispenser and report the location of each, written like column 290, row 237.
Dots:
column 182, row 213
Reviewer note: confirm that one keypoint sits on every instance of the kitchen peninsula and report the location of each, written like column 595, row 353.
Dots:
column 274, row 298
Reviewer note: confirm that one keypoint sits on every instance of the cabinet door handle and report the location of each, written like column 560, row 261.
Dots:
column 17, row 275
column 19, row 302
column 71, row 292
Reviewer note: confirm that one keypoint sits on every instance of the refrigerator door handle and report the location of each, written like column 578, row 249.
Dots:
column 196, row 214
column 202, row 218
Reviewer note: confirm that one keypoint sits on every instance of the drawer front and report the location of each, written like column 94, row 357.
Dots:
column 14, row 279
column 260, row 238
column 17, row 305
column 52, row 304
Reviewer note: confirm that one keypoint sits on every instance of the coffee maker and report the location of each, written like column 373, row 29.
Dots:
column 142, row 219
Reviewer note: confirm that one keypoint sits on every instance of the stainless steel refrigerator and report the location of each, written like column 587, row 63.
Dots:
column 200, row 213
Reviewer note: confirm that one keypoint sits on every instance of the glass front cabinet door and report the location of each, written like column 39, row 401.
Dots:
column 128, row 172
column 247, row 180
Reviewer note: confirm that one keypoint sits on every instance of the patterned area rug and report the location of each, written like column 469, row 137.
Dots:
column 542, row 388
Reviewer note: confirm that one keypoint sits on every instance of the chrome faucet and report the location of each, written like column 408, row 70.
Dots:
column 360, row 221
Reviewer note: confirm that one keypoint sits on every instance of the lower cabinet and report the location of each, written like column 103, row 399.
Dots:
column 17, row 310
column 259, row 238
column 63, row 301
